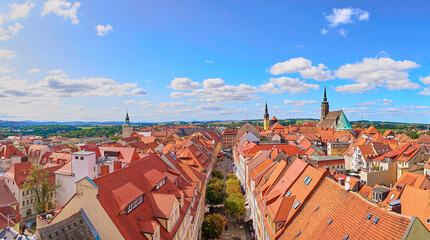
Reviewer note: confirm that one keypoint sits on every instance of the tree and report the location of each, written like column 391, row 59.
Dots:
column 215, row 194
column 232, row 181
column 233, row 189
column 231, row 176
column 358, row 125
column 216, row 181
column 42, row 186
column 235, row 205
column 213, row 225
column 217, row 174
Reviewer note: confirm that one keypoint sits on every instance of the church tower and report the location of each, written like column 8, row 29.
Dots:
column 266, row 118
column 127, row 129
column 324, row 106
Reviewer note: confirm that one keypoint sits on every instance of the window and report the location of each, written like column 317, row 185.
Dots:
column 308, row 181
column 297, row 204
column 28, row 202
column 369, row 216
column 330, row 221
column 375, row 221
column 392, row 196
column 306, row 178
column 23, row 203
column 76, row 157
column 82, row 158
column 135, row 203
column 160, row 184
column 288, row 194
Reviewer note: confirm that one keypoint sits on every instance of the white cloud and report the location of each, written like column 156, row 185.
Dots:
column 103, row 30
column 20, row 10
column 34, row 70
column 425, row 91
column 342, row 32
column 213, row 83
column 299, row 103
column 7, row 54
column 138, row 91
column 258, row 104
column 304, row 67
column 323, row 31
column 355, row 88
column 144, row 104
column 282, row 84
column 372, row 72
column 16, row 11
column 5, row 69
column 290, row 66
column 425, row 80
column 62, row 8
column 275, row 107
column 342, row 16
column 209, row 61
column 379, row 102
column 183, row 84
column 173, row 105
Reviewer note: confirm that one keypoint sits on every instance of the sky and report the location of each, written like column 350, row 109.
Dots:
column 63, row 60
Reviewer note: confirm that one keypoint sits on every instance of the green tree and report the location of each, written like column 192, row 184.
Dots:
column 358, row 125
column 43, row 188
column 115, row 138
column 232, row 181
column 213, row 225
column 217, row 174
column 231, row 176
column 216, row 181
column 215, row 194
column 235, row 205
column 232, row 189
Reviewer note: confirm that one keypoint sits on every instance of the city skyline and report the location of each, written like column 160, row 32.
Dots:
column 200, row 60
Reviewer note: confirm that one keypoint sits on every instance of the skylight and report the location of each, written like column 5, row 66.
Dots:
column 346, row 237
column 330, row 221
column 297, row 204
column 375, row 221
column 428, row 221
column 306, row 178
column 392, row 196
column 308, row 181
column 318, row 207
column 369, row 216
column 298, row 234
column 288, row 194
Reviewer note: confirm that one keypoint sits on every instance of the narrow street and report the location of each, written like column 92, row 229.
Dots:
column 233, row 229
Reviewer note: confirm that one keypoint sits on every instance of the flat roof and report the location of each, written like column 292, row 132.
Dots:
column 83, row 153
column 325, row 158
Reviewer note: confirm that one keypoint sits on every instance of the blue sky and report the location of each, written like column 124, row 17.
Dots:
column 213, row 60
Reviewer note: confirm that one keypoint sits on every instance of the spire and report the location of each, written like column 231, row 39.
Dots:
column 325, row 94
column 127, row 118
column 266, row 112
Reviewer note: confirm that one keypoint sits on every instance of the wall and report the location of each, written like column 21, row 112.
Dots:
column 380, row 177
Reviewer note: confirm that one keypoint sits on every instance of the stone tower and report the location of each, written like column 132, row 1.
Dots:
column 266, row 118
column 127, row 129
column 324, row 105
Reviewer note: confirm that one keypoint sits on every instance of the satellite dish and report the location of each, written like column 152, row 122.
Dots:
column 347, row 186
column 347, row 179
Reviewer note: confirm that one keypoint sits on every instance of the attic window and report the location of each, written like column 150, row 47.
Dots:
column 308, row 181
column 306, row 178
column 369, row 216
column 160, row 184
column 297, row 204
column 375, row 221
column 135, row 203
column 288, row 194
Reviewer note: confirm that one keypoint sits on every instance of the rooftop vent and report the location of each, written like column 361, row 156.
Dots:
column 375, row 221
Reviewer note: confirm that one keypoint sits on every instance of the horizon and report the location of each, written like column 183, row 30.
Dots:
column 200, row 61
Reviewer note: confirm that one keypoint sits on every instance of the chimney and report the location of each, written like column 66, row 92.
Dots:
column 117, row 166
column 104, row 170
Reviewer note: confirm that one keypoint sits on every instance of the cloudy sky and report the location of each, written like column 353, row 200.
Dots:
column 207, row 60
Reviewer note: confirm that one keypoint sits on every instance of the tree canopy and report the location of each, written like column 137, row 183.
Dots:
column 213, row 225
column 235, row 204
column 217, row 174
column 215, row 194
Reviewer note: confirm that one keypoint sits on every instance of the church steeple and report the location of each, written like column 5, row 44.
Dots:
column 127, row 118
column 325, row 108
column 266, row 118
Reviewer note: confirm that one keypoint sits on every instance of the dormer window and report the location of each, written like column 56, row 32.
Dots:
column 160, row 184
column 134, row 204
